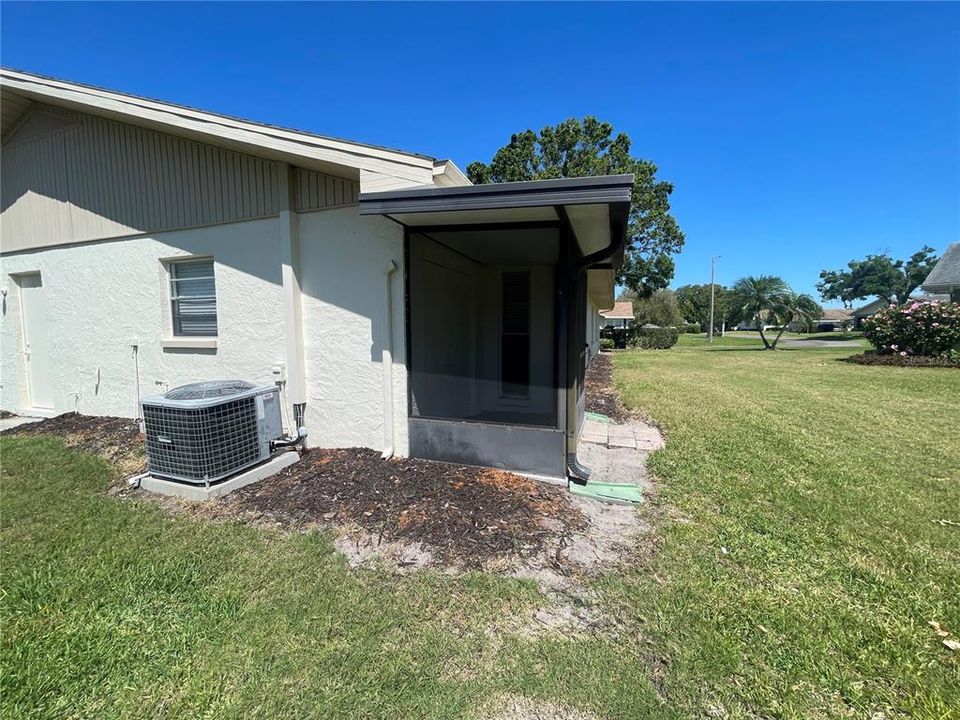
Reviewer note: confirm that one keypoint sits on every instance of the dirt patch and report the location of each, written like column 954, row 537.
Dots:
column 599, row 393
column 117, row 440
column 517, row 707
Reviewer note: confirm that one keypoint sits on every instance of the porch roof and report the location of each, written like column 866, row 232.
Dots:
column 596, row 207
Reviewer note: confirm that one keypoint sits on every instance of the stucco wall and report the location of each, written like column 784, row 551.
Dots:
column 102, row 297
column 343, row 260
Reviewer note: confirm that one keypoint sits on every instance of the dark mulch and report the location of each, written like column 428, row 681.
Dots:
column 461, row 514
column 869, row 358
column 5, row 414
column 117, row 439
column 600, row 394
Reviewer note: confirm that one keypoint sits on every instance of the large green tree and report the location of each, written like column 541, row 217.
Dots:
column 693, row 302
column 579, row 148
column 660, row 308
column 880, row 275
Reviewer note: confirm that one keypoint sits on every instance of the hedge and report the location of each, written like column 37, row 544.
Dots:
column 660, row 338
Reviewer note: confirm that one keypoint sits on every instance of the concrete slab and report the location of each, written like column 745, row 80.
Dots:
column 12, row 422
column 622, row 442
column 201, row 493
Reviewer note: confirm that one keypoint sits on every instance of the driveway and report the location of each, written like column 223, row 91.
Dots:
column 792, row 343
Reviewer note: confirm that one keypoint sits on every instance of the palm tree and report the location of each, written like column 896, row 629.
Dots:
column 758, row 298
column 791, row 307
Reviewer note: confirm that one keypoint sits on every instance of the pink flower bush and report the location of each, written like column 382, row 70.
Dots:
column 920, row 328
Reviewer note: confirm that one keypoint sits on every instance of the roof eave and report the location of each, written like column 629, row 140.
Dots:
column 248, row 136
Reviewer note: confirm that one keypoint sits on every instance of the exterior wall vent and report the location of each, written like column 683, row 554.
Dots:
column 205, row 432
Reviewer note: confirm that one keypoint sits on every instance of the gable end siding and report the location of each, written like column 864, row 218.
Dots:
column 89, row 178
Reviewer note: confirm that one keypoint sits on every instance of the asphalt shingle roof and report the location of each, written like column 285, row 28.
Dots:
column 947, row 270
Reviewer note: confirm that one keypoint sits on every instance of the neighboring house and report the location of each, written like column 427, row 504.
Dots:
column 621, row 315
column 146, row 245
column 945, row 276
column 864, row 311
column 833, row 319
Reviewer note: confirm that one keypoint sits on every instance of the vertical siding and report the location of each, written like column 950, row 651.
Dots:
column 316, row 191
column 69, row 177
column 100, row 178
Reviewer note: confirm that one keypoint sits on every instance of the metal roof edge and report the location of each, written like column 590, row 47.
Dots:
column 531, row 193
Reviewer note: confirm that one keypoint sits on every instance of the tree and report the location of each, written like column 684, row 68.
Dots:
column 693, row 301
column 791, row 307
column 757, row 297
column 881, row 275
column 658, row 309
column 768, row 299
column 580, row 148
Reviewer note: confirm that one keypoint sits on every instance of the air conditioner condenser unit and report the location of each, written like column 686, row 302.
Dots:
column 205, row 432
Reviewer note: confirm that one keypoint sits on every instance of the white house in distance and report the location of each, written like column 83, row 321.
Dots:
column 145, row 245
column 620, row 315
column 945, row 276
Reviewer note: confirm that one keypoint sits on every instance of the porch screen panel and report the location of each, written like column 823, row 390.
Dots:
column 483, row 341
column 515, row 335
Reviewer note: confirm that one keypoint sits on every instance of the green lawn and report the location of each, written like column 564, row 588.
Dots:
column 797, row 563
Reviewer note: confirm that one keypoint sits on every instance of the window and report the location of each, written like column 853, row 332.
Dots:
column 515, row 335
column 193, row 298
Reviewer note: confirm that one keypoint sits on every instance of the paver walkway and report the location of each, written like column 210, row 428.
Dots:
column 633, row 435
column 618, row 452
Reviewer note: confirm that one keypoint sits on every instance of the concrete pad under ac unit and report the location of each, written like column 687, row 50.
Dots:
column 201, row 493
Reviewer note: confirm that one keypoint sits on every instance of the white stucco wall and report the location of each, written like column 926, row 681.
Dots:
column 102, row 297
column 343, row 261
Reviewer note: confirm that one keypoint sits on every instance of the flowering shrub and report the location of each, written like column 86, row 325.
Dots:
column 921, row 327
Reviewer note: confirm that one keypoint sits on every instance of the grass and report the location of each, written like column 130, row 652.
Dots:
column 803, row 558
column 799, row 561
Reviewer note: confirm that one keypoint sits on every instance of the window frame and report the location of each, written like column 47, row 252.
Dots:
column 173, row 339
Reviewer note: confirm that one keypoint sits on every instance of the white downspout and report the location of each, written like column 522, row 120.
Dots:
column 387, row 359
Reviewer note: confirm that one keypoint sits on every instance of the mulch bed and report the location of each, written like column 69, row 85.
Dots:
column 869, row 358
column 462, row 514
column 600, row 394
column 117, row 439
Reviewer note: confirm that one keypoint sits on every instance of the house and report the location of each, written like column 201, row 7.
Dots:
column 864, row 311
column 144, row 245
column 945, row 276
column 833, row 319
column 621, row 315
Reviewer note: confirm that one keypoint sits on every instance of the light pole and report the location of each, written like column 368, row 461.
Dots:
column 713, row 271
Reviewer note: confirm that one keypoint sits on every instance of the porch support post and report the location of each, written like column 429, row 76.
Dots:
column 289, row 231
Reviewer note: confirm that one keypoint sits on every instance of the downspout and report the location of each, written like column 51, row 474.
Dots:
column 387, row 359
column 575, row 471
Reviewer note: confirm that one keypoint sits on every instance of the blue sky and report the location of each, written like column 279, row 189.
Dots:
column 798, row 136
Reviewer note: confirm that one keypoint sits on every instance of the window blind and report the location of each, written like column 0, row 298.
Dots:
column 193, row 298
